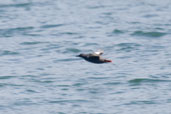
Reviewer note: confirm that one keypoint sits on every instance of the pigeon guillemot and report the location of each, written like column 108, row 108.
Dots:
column 94, row 57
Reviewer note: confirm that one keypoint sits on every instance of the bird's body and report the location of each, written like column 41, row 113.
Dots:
column 94, row 57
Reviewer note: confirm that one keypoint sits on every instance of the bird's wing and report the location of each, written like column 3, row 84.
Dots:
column 99, row 52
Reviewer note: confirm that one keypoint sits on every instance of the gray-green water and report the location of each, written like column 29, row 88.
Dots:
column 39, row 73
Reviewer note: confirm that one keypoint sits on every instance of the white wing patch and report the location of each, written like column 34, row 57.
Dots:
column 99, row 52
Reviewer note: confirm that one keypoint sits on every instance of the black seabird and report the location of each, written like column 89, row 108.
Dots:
column 94, row 57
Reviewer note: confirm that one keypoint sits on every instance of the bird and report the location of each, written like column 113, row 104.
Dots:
column 94, row 57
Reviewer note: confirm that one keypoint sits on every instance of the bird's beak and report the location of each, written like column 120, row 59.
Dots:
column 77, row 55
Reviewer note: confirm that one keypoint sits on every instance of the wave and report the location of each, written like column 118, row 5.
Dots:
column 148, row 34
column 147, row 80
column 32, row 43
column 72, row 50
column 117, row 31
column 13, row 31
column 52, row 26
column 7, row 52
column 127, row 46
column 15, row 5
column 6, row 77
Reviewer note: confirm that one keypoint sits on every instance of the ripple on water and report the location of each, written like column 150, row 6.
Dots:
column 6, row 77
column 51, row 26
column 15, row 5
column 69, row 33
column 77, row 101
column 72, row 50
column 7, row 52
column 127, row 46
column 32, row 43
column 11, row 85
column 112, row 83
column 146, row 80
column 90, row 44
column 10, row 32
column 31, row 91
column 141, row 102
column 66, row 60
column 117, row 31
column 148, row 34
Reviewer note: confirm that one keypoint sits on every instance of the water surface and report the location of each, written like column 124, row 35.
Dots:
column 39, row 40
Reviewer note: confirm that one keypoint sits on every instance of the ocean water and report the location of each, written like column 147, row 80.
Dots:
column 40, row 73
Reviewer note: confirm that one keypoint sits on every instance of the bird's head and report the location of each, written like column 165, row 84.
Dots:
column 81, row 55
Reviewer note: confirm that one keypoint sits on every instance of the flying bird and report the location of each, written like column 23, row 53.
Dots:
column 94, row 57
